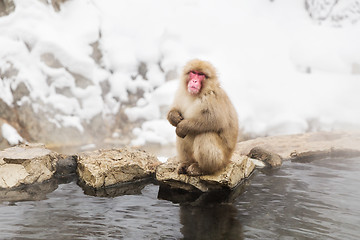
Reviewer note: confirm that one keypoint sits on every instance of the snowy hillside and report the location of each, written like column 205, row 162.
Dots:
column 97, row 66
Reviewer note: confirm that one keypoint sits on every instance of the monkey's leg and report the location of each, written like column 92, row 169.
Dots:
column 208, row 153
column 185, row 153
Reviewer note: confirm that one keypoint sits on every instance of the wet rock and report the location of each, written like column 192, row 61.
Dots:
column 102, row 168
column 308, row 146
column 31, row 163
column 25, row 164
column 66, row 165
column 231, row 176
column 269, row 158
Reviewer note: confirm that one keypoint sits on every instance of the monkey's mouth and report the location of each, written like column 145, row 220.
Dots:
column 193, row 90
column 193, row 87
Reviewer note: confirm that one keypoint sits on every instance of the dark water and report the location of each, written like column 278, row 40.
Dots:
column 318, row 200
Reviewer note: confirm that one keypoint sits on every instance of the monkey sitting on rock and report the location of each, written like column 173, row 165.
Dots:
column 205, row 120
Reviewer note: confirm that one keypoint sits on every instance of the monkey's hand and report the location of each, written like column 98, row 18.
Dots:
column 181, row 129
column 174, row 117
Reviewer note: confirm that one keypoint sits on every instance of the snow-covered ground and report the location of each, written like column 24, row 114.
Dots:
column 10, row 134
column 284, row 72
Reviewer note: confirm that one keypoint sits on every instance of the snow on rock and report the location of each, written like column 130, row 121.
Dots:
column 284, row 72
column 334, row 12
column 155, row 131
column 148, row 108
column 10, row 134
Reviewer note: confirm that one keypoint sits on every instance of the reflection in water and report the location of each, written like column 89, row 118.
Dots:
column 218, row 221
column 69, row 214
column 320, row 200
column 206, row 215
column 317, row 200
column 34, row 192
column 199, row 198
column 128, row 188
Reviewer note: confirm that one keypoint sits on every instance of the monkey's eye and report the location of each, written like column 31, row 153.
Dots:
column 198, row 73
column 203, row 74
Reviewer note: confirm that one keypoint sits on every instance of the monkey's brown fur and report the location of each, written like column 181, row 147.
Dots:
column 206, row 123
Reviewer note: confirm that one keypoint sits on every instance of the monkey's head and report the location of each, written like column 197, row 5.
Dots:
column 198, row 75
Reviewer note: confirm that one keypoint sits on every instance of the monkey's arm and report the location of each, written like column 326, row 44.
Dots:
column 205, row 122
column 174, row 117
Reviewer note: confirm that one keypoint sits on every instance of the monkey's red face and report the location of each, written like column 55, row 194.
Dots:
column 195, row 82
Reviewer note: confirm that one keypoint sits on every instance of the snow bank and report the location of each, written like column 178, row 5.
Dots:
column 10, row 134
column 284, row 72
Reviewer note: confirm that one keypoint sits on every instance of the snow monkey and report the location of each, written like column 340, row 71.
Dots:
column 205, row 120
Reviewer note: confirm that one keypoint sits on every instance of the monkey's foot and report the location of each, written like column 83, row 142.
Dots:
column 182, row 168
column 194, row 170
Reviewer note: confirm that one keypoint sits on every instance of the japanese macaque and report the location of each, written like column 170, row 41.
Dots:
column 205, row 120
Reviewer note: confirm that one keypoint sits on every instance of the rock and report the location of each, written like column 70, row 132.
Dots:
column 231, row 176
column 12, row 175
column 269, row 158
column 306, row 147
column 102, row 168
column 22, row 153
column 28, row 164
column 6, row 7
column 3, row 142
column 38, row 129
column 66, row 165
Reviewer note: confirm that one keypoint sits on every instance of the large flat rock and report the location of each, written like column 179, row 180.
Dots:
column 32, row 163
column 231, row 176
column 106, row 167
column 308, row 146
column 20, row 154
column 26, row 164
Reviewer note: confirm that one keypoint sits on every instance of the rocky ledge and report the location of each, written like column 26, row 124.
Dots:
column 103, row 168
column 125, row 169
column 239, row 168
column 302, row 147
column 32, row 163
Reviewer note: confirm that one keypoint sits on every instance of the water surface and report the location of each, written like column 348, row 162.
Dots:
column 317, row 200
